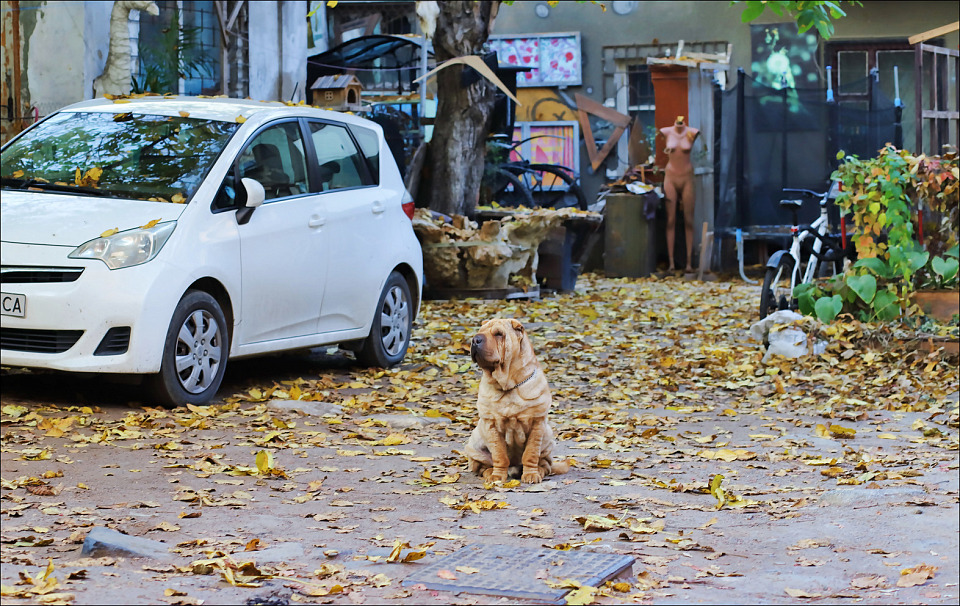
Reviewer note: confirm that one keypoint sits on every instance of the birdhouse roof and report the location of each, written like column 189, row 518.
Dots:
column 337, row 81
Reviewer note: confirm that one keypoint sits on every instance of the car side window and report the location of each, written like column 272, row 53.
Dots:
column 338, row 157
column 275, row 158
column 370, row 146
column 226, row 196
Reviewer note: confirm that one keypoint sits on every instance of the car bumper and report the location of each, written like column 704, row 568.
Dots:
column 100, row 299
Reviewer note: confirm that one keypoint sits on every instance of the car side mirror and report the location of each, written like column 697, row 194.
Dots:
column 253, row 196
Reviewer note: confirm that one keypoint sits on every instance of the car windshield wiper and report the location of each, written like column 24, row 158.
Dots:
column 46, row 185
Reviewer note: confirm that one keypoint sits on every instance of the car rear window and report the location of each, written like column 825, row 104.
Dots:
column 341, row 165
column 370, row 146
column 125, row 155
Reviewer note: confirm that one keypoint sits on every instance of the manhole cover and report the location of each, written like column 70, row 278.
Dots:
column 513, row 571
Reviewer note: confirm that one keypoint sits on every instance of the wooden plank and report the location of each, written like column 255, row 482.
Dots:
column 706, row 245
column 602, row 154
column 601, row 111
column 933, row 33
column 587, row 135
column 939, row 50
column 941, row 114
column 658, row 61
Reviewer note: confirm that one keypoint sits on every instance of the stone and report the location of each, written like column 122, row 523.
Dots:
column 102, row 541
column 781, row 338
column 870, row 497
column 282, row 552
column 316, row 409
column 409, row 421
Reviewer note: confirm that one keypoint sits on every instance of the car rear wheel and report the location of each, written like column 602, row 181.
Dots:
column 390, row 332
column 194, row 352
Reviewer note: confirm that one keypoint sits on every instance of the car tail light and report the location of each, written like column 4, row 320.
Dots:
column 408, row 209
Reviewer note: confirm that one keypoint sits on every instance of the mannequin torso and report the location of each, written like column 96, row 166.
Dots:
column 679, row 143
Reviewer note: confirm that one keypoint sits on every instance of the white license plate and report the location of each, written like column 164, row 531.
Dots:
column 13, row 305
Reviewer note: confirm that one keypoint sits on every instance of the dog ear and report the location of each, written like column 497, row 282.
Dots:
column 517, row 326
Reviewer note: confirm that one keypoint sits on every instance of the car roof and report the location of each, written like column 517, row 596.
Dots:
column 208, row 108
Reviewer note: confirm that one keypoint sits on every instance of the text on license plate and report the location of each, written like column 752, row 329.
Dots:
column 13, row 305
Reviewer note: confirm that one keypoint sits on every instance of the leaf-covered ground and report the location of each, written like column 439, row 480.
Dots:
column 729, row 480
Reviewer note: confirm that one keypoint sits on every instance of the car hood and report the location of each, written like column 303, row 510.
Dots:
column 66, row 220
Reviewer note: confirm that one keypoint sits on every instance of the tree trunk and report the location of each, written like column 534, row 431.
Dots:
column 456, row 151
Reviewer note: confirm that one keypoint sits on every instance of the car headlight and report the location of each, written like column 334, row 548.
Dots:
column 126, row 248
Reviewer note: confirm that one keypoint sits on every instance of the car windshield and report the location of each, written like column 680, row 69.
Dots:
column 126, row 155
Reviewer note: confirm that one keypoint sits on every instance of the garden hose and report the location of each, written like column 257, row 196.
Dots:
column 740, row 257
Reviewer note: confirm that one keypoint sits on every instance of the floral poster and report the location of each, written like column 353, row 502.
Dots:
column 555, row 58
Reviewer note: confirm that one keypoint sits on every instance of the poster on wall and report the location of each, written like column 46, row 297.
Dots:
column 555, row 58
column 556, row 143
column 784, row 58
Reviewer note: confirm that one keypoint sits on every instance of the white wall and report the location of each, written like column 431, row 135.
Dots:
column 53, row 56
column 278, row 50
column 96, row 41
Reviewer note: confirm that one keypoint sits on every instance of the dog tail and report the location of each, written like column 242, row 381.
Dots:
column 562, row 466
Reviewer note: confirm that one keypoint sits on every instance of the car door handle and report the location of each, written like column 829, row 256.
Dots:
column 317, row 221
column 377, row 207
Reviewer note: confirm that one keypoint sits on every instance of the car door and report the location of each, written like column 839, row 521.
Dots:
column 354, row 208
column 283, row 246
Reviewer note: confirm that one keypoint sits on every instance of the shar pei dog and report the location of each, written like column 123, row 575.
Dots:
column 513, row 438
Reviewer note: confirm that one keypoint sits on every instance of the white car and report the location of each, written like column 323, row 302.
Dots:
column 164, row 235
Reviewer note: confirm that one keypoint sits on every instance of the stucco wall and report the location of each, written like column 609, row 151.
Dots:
column 669, row 22
column 278, row 50
column 53, row 51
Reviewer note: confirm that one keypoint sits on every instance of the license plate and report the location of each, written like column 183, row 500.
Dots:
column 13, row 305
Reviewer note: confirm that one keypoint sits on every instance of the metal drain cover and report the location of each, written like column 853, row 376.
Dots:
column 513, row 571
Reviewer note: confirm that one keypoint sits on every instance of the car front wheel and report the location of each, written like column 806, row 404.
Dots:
column 390, row 332
column 194, row 352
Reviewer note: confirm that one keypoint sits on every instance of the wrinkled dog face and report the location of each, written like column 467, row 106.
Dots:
column 497, row 341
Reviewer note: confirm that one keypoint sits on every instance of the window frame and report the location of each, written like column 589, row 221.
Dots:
column 312, row 178
column 363, row 169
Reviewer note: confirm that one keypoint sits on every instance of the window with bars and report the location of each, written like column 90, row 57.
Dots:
column 198, row 46
column 625, row 67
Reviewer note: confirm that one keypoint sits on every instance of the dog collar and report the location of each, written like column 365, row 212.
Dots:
column 522, row 382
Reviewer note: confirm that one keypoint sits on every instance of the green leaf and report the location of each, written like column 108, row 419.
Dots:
column 916, row 260
column 864, row 286
column 886, row 306
column 875, row 265
column 751, row 12
column 827, row 308
column 805, row 303
column 841, row 154
column 945, row 268
column 954, row 252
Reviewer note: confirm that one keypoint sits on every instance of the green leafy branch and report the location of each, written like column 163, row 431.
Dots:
column 819, row 15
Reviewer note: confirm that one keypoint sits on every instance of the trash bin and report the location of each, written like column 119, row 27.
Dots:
column 629, row 238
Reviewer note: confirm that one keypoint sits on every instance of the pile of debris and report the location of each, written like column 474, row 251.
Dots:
column 459, row 253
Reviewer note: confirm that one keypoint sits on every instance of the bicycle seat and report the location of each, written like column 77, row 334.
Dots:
column 791, row 203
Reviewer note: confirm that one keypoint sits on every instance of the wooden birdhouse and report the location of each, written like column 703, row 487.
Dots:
column 340, row 92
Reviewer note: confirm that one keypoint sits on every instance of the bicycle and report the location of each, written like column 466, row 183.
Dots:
column 523, row 183
column 783, row 268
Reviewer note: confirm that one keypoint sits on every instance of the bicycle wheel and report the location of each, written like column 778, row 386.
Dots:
column 775, row 294
column 509, row 190
column 549, row 193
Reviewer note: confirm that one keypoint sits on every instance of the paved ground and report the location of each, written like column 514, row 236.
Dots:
column 839, row 472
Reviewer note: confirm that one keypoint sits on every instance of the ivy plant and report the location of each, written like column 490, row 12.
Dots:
column 883, row 195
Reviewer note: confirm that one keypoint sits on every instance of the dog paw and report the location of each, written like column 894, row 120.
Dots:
column 531, row 477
